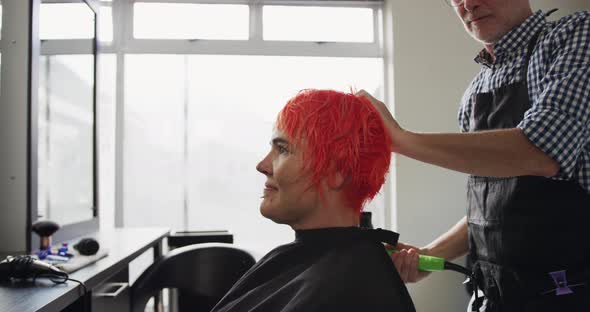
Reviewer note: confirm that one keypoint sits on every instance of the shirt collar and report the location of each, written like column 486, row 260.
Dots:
column 513, row 41
column 344, row 234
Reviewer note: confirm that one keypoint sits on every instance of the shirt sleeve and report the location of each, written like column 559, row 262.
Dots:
column 558, row 121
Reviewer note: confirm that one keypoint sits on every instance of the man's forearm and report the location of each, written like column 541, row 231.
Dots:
column 452, row 244
column 497, row 153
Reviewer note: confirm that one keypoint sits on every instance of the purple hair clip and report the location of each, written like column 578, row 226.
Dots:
column 560, row 281
column 562, row 286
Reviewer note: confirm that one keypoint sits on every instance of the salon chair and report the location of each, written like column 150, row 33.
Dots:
column 203, row 273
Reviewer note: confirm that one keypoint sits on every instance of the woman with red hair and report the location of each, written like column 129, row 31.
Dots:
column 329, row 155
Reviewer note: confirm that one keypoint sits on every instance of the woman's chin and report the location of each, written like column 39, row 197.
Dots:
column 268, row 212
column 265, row 209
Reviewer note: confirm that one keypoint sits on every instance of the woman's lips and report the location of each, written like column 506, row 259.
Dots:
column 270, row 187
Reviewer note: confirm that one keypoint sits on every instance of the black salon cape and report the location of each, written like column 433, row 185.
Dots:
column 333, row 269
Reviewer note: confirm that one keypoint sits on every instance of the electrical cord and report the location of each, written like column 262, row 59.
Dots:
column 433, row 264
column 61, row 280
column 472, row 280
column 457, row 268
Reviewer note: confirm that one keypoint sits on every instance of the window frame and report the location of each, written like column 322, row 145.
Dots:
column 255, row 45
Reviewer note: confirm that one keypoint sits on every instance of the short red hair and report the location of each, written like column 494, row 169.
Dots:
column 342, row 132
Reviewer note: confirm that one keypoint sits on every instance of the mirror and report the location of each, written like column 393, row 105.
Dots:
column 66, row 142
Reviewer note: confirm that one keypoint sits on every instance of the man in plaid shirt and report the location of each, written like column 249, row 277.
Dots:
column 525, row 141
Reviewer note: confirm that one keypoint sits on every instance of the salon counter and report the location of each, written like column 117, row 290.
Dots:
column 124, row 245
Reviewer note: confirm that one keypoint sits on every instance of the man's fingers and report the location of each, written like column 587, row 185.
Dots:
column 396, row 260
column 369, row 97
column 404, row 273
column 362, row 92
column 406, row 263
column 400, row 246
column 383, row 111
column 412, row 265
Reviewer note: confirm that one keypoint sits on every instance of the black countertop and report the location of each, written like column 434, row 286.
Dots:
column 124, row 245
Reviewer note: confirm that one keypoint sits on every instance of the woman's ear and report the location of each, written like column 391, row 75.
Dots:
column 336, row 180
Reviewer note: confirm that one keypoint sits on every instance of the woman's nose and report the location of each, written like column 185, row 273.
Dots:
column 264, row 166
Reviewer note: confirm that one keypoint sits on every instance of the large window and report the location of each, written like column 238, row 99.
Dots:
column 198, row 89
column 196, row 126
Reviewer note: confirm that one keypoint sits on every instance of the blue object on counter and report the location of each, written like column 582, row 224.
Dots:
column 63, row 250
column 42, row 254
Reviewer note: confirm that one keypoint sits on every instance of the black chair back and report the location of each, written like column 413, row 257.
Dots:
column 202, row 272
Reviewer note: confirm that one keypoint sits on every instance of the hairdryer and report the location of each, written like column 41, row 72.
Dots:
column 23, row 267
column 434, row 264
column 425, row 263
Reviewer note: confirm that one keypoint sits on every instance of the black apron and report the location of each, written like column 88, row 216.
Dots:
column 523, row 228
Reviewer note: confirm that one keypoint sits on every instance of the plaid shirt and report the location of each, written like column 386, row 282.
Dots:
column 558, row 76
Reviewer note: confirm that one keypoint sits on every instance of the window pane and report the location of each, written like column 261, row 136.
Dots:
column 65, row 138
column 190, row 21
column 105, row 24
column 318, row 24
column 106, row 111
column 154, row 146
column 66, row 21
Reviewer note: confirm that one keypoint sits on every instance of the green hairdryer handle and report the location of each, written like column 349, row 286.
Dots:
column 425, row 263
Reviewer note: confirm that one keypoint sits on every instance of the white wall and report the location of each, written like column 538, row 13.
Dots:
column 432, row 65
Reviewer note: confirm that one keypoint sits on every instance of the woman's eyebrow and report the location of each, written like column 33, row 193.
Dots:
column 279, row 141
